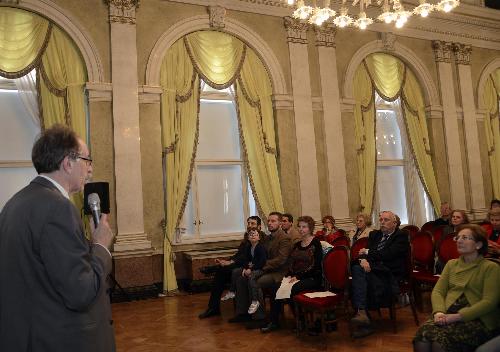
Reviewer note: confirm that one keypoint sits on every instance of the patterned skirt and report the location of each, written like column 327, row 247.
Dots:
column 457, row 337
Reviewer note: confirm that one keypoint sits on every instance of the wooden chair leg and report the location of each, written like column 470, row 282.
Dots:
column 413, row 307
column 297, row 309
column 392, row 314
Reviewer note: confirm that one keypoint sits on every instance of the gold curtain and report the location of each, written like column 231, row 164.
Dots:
column 23, row 37
column 364, row 132
column 220, row 60
column 392, row 79
column 253, row 93
column 491, row 98
column 179, row 117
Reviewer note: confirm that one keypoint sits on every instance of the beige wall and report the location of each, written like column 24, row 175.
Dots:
column 156, row 17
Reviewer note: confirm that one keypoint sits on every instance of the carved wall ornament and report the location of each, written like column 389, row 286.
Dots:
column 442, row 51
column 217, row 15
column 462, row 53
column 325, row 35
column 122, row 11
column 388, row 40
column 13, row 2
column 296, row 30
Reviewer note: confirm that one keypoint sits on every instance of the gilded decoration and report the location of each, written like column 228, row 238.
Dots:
column 325, row 35
column 462, row 53
column 442, row 51
column 388, row 40
column 296, row 30
column 122, row 11
column 217, row 15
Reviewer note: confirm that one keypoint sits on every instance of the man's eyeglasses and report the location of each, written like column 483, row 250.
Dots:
column 465, row 238
column 87, row 159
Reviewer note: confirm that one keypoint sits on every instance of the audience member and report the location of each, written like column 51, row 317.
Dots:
column 465, row 311
column 329, row 232
column 444, row 218
column 494, row 234
column 458, row 217
column 223, row 270
column 495, row 203
column 252, row 269
column 304, row 268
column 375, row 279
column 363, row 223
column 278, row 246
column 289, row 229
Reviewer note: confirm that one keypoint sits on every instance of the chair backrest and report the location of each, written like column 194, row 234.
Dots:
column 428, row 226
column 331, row 238
column 487, row 227
column 356, row 246
column 448, row 248
column 336, row 268
column 437, row 233
column 341, row 241
column 422, row 247
column 411, row 229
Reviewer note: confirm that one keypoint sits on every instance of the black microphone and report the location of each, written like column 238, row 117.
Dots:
column 95, row 207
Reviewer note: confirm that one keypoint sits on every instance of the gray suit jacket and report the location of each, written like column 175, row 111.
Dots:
column 53, row 289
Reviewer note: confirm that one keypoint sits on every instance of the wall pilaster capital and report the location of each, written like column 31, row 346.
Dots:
column 325, row 35
column 442, row 51
column 217, row 15
column 296, row 30
column 462, row 53
column 388, row 40
column 122, row 11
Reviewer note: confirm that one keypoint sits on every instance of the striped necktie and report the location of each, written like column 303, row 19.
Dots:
column 382, row 242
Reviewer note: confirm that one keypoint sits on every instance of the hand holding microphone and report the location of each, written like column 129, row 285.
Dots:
column 101, row 232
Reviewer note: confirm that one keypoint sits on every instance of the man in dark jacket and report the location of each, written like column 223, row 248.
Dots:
column 375, row 279
column 224, row 268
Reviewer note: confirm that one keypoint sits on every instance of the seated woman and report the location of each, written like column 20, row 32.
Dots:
column 363, row 229
column 304, row 268
column 329, row 232
column 458, row 217
column 465, row 299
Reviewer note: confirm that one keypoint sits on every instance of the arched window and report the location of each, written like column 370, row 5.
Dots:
column 220, row 197
column 399, row 188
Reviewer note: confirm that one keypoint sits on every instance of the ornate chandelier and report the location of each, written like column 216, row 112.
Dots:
column 390, row 11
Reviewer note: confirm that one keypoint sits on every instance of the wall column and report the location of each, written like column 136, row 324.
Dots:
column 128, row 176
column 304, row 122
column 332, row 119
column 462, row 59
column 442, row 52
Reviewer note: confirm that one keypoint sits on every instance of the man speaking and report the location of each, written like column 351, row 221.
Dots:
column 52, row 279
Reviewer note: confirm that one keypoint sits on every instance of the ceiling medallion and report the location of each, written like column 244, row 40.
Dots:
column 391, row 11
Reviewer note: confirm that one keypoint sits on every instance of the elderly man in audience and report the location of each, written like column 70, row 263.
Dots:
column 375, row 279
column 289, row 229
column 278, row 246
column 444, row 218
column 224, row 268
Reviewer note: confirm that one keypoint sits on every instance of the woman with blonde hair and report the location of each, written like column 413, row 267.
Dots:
column 363, row 229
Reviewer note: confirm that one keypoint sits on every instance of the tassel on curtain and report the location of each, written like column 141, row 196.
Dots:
column 220, row 60
column 391, row 79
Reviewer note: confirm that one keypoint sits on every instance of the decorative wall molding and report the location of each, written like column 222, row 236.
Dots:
column 122, row 11
column 325, row 35
column 232, row 27
column 402, row 52
column 388, row 40
column 216, row 15
column 317, row 103
column 347, row 105
column 462, row 53
column 10, row 2
column 442, row 51
column 282, row 101
column 434, row 111
column 296, row 30
column 149, row 95
column 99, row 92
column 73, row 28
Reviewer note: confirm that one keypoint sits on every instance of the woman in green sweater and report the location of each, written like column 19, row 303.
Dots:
column 465, row 300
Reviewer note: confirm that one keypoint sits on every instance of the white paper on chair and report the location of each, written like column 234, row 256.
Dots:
column 285, row 288
column 321, row 294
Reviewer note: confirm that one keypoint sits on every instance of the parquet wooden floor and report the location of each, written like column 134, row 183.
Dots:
column 172, row 324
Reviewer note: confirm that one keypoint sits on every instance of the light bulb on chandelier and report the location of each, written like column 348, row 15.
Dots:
column 390, row 11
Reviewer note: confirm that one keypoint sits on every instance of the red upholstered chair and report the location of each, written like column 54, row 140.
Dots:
column 331, row 238
column 411, row 229
column 336, row 274
column 487, row 227
column 341, row 241
column 356, row 246
column 448, row 248
column 422, row 274
column 437, row 233
column 428, row 226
